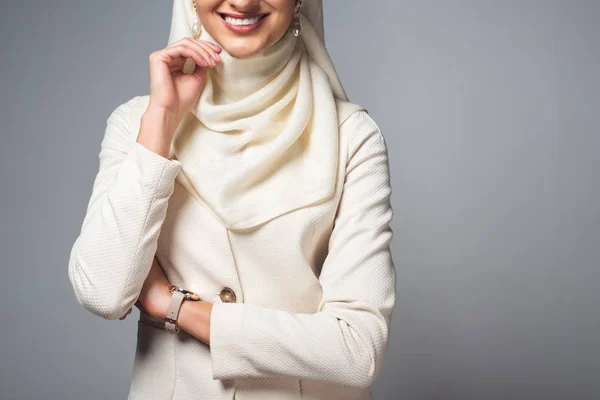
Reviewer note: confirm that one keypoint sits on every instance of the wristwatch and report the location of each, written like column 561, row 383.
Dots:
column 178, row 295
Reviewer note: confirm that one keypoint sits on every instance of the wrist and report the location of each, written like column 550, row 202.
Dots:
column 180, row 297
column 162, row 117
column 157, row 128
column 164, row 302
column 157, row 302
column 194, row 318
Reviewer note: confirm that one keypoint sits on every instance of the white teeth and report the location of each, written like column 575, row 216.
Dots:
column 237, row 21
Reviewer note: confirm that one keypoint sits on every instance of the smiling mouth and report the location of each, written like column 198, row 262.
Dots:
column 242, row 20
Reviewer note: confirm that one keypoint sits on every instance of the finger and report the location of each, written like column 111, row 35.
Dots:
column 177, row 65
column 208, row 49
column 205, row 50
column 183, row 50
column 211, row 55
column 215, row 54
column 205, row 42
column 214, row 46
column 124, row 316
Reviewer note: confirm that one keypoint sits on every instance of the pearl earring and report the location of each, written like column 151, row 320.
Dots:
column 196, row 27
column 296, row 21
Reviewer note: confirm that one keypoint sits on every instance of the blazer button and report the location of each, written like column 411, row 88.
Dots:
column 227, row 295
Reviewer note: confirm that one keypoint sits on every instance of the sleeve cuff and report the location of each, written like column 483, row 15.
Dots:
column 152, row 169
column 226, row 340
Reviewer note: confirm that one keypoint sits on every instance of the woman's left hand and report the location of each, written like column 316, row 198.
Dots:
column 154, row 296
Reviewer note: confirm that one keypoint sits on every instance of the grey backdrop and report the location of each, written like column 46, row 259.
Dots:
column 490, row 112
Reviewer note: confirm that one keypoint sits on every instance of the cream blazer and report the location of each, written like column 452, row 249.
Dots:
column 314, row 288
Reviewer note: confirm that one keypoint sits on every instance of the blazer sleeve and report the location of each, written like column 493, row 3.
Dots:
column 346, row 340
column 111, row 257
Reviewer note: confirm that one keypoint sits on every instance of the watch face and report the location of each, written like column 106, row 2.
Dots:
column 188, row 294
column 173, row 288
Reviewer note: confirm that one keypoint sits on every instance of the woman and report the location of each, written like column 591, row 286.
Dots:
column 244, row 207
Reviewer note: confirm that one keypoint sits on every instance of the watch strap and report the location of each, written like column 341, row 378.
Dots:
column 173, row 311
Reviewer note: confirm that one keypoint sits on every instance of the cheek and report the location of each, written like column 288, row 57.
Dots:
column 280, row 4
column 206, row 7
column 280, row 21
column 280, row 24
column 207, row 4
column 283, row 7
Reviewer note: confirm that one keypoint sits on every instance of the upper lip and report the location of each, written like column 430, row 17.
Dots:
column 244, row 16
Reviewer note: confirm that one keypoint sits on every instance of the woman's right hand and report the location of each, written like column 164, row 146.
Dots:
column 173, row 93
column 171, row 90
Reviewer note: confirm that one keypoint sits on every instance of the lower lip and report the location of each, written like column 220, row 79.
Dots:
column 244, row 28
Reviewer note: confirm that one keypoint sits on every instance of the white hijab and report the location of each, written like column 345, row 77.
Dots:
column 262, row 139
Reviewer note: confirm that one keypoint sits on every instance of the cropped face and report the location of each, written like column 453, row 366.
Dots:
column 245, row 27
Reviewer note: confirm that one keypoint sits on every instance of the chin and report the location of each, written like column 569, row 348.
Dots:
column 244, row 48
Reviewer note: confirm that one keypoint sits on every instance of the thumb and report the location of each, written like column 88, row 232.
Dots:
column 200, row 72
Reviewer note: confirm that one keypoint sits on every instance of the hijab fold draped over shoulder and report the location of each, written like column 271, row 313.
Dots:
column 263, row 138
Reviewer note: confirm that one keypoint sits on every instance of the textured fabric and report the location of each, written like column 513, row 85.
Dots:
column 123, row 220
column 259, row 121
column 315, row 287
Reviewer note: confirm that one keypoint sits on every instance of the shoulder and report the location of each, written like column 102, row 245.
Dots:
column 363, row 134
column 123, row 111
column 129, row 109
